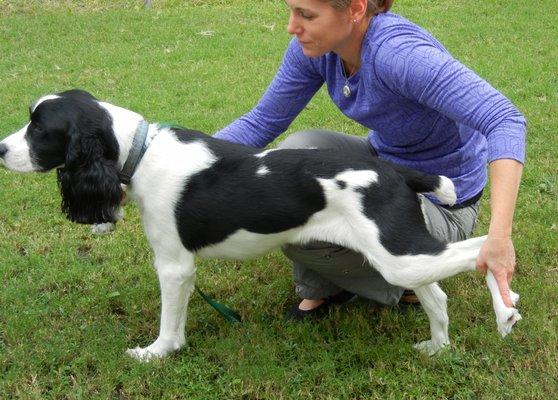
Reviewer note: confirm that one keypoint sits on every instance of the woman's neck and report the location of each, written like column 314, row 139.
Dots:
column 350, row 54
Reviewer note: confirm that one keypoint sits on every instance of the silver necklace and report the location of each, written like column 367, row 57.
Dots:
column 346, row 88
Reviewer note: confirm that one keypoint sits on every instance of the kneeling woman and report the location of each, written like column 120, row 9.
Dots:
column 425, row 110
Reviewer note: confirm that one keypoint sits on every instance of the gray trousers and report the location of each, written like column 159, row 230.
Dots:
column 323, row 269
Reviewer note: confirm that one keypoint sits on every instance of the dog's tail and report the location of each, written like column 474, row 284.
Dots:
column 441, row 186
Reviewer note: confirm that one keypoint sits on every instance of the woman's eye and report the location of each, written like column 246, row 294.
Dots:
column 306, row 16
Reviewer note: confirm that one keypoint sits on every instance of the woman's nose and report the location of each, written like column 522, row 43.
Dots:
column 293, row 26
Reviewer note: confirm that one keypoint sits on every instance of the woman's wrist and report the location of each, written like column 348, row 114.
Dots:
column 498, row 233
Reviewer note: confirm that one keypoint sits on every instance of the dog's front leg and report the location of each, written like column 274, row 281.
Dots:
column 176, row 279
column 434, row 302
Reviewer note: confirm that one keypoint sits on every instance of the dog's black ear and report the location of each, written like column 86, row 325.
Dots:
column 91, row 191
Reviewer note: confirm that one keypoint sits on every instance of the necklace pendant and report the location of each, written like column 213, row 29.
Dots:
column 346, row 90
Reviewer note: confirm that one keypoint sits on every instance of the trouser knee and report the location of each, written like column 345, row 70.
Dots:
column 305, row 139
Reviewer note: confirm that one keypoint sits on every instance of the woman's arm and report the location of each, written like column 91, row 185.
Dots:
column 497, row 253
column 293, row 86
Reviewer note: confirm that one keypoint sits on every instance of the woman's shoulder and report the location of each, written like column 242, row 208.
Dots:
column 395, row 30
column 394, row 46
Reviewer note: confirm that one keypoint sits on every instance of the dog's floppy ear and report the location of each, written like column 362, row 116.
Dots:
column 91, row 191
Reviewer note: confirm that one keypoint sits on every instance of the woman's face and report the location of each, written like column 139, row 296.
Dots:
column 318, row 26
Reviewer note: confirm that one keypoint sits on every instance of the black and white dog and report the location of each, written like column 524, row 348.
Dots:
column 202, row 196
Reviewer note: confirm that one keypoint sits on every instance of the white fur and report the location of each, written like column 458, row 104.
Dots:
column 101, row 229
column 123, row 121
column 446, row 192
column 42, row 99
column 18, row 157
column 263, row 170
column 264, row 153
column 506, row 317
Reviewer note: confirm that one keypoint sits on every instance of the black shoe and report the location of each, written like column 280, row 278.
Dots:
column 342, row 297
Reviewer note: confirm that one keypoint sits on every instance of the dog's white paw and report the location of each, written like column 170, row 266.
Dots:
column 100, row 229
column 430, row 347
column 158, row 349
column 506, row 317
column 506, row 320
column 143, row 354
column 446, row 192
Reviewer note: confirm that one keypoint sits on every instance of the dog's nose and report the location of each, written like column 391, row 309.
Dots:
column 3, row 150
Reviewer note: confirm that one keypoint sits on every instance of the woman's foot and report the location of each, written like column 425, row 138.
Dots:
column 310, row 304
column 311, row 308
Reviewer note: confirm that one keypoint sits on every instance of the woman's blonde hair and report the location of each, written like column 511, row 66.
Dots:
column 374, row 6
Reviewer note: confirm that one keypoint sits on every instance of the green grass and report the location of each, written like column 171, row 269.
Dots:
column 72, row 302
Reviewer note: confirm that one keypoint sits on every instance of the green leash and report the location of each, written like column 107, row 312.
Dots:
column 226, row 312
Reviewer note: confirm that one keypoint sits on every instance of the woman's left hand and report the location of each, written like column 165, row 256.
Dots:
column 498, row 255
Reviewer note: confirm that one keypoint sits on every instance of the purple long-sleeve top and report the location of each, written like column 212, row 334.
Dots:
column 425, row 110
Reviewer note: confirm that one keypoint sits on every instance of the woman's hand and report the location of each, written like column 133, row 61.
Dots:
column 498, row 255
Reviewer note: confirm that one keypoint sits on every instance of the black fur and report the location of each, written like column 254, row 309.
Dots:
column 76, row 132
column 230, row 196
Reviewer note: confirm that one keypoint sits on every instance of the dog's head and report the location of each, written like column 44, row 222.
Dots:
column 72, row 132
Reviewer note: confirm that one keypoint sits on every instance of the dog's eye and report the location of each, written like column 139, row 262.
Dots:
column 35, row 130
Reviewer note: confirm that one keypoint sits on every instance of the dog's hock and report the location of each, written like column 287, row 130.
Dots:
column 506, row 317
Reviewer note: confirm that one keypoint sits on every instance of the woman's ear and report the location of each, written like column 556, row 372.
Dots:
column 89, row 183
column 358, row 9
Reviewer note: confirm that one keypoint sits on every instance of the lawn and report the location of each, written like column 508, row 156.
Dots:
column 71, row 302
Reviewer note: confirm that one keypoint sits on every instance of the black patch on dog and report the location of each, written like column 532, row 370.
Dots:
column 397, row 211
column 230, row 196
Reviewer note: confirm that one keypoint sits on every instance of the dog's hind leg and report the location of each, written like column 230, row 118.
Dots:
column 176, row 279
column 412, row 271
column 434, row 302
